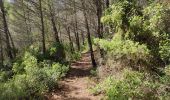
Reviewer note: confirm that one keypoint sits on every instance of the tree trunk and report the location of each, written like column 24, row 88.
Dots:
column 70, row 40
column 1, row 51
column 26, row 21
column 55, row 29
column 89, row 36
column 54, row 24
column 2, row 54
column 77, row 39
column 9, row 49
column 82, row 36
column 100, row 25
column 12, row 43
column 42, row 28
column 76, row 28
column 107, row 3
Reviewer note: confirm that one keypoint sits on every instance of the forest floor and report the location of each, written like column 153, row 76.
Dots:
column 76, row 85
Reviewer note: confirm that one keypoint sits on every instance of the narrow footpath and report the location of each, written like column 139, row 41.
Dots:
column 76, row 85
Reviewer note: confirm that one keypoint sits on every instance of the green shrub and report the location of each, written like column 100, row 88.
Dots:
column 132, row 85
column 31, row 79
column 76, row 56
column 93, row 72
column 141, row 34
column 71, row 55
column 5, row 75
column 130, row 53
column 165, row 51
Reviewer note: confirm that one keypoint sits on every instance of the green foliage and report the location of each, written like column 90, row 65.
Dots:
column 142, row 33
column 76, row 56
column 132, row 85
column 128, row 50
column 32, row 78
column 141, row 40
column 93, row 72
column 117, row 46
column 71, row 55
column 55, row 52
column 165, row 50
column 4, row 75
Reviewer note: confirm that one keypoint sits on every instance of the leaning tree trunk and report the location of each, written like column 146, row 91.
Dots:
column 55, row 29
column 12, row 43
column 89, row 36
column 9, row 49
column 52, row 15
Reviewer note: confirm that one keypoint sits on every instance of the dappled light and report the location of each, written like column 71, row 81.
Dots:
column 84, row 49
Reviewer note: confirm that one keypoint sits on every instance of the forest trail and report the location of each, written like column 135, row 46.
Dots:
column 75, row 85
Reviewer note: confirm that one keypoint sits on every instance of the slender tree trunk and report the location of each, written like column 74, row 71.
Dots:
column 76, row 27
column 2, row 54
column 100, row 25
column 52, row 12
column 26, row 18
column 107, row 3
column 12, row 43
column 29, row 24
column 1, row 51
column 89, row 36
column 42, row 27
column 77, row 39
column 70, row 40
column 9, row 49
column 82, row 36
column 55, row 29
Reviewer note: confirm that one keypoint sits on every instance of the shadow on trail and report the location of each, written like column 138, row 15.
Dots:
column 74, row 86
column 80, row 68
column 77, row 72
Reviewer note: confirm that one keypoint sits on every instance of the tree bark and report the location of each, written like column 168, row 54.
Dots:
column 76, row 27
column 2, row 54
column 107, row 3
column 12, row 43
column 77, row 39
column 42, row 27
column 1, row 51
column 54, row 24
column 100, row 25
column 82, row 36
column 70, row 40
column 26, row 16
column 9, row 49
column 89, row 36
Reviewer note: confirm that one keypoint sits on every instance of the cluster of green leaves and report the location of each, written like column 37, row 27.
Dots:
column 31, row 78
column 128, row 50
column 123, row 47
column 142, row 38
column 133, row 85
column 54, row 52
column 142, row 31
column 71, row 55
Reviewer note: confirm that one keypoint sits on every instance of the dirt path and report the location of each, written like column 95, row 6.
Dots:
column 75, row 85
